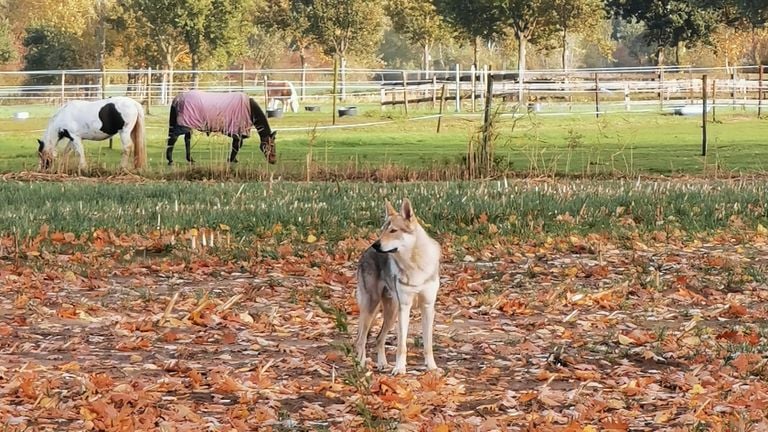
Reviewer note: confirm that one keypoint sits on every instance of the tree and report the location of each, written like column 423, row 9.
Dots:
column 529, row 20
column 473, row 18
column 748, row 16
column 577, row 16
column 7, row 50
column 670, row 23
column 50, row 48
column 344, row 27
column 419, row 21
column 291, row 18
column 204, row 26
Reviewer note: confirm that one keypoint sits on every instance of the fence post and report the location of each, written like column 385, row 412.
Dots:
column 661, row 88
column 714, row 100
column 486, row 150
column 759, row 91
column 333, row 91
column 458, row 88
column 149, row 89
column 405, row 92
column 103, row 81
column 434, row 92
column 440, row 114
column 266, row 92
column 473, row 83
column 597, row 96
column 63, row 76
column 242, row 78
column 627, row 106
column 704, row 115
column 733, row 89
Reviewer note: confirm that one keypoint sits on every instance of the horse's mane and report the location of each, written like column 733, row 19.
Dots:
column 259, row 118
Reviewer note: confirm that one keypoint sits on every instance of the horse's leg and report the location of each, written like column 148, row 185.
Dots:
column 237, row 142
column 127, row 144
column 172, row 137
column 187, row 146
column 77, row 144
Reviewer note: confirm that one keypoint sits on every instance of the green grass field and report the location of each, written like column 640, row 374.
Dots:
column 578, row 143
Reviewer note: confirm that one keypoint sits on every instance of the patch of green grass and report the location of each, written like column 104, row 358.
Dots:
column 578, row 143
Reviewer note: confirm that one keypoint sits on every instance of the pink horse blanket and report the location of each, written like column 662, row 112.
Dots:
column 227, row 113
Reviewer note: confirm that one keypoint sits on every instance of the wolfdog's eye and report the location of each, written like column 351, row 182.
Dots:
column 393, row 230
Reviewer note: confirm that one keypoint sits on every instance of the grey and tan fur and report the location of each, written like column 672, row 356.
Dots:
column 400, row 269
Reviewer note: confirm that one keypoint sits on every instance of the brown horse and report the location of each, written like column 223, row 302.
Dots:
column 282, row 91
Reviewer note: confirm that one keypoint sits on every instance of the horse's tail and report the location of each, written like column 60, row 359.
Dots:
column 137, row 136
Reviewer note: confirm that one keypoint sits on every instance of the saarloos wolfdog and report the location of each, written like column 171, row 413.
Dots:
column 399, row 270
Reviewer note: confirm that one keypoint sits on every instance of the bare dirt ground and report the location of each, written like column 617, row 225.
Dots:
column 576, row 334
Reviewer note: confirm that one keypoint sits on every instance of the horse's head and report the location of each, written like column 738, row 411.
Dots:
column 268, row 147
column 46, row 156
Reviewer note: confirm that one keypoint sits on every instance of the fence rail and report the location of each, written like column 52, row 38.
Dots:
column 742, row 85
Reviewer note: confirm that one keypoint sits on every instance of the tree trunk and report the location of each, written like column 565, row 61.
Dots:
column 195, row 59
column 426, row 60
column 660, row 56
column 474, row 52
column 303, row 60
column 343, row 75
column 522, row 41
column 565, row 49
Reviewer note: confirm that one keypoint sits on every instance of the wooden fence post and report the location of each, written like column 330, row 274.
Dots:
column 242, row 78
column 266, row 92
column 759, row 91
column 434, row 92
column 440, row 114
column 597, row 96
column 627, row 106
column 486, row 151
column 704, row 115
column 63, row 77
column 149, row 89
column 103, row 81
column 405, row 92
column 333, row 91
column 714, row 100
column 458, row 88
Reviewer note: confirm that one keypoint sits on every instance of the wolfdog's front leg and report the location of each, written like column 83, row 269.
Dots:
column 404, row 316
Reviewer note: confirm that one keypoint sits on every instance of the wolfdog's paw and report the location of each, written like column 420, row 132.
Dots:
column 382, row 365
column 398, row 370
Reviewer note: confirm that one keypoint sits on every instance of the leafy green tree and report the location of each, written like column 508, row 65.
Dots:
column 50, row 48
column 529, row 21
column 473, row 18
column 749, row 16
column 419, row 21
column 204, row 26
column 291, row 18
column 7, row 50
column 670, row 23
column 578, row 16
column 344, row 27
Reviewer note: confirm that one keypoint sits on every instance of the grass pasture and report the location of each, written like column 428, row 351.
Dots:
column 565, row 305
column 625, row 143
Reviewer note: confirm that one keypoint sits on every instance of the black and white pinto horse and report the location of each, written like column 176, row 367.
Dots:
column 232, row 114
column 80, row 120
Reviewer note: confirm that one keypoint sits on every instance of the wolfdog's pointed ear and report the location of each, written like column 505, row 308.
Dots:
column 40, row 146
column 406, row 209
column 390, row 210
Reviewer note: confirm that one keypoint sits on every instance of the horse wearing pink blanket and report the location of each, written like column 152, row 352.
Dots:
column 231, row 114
